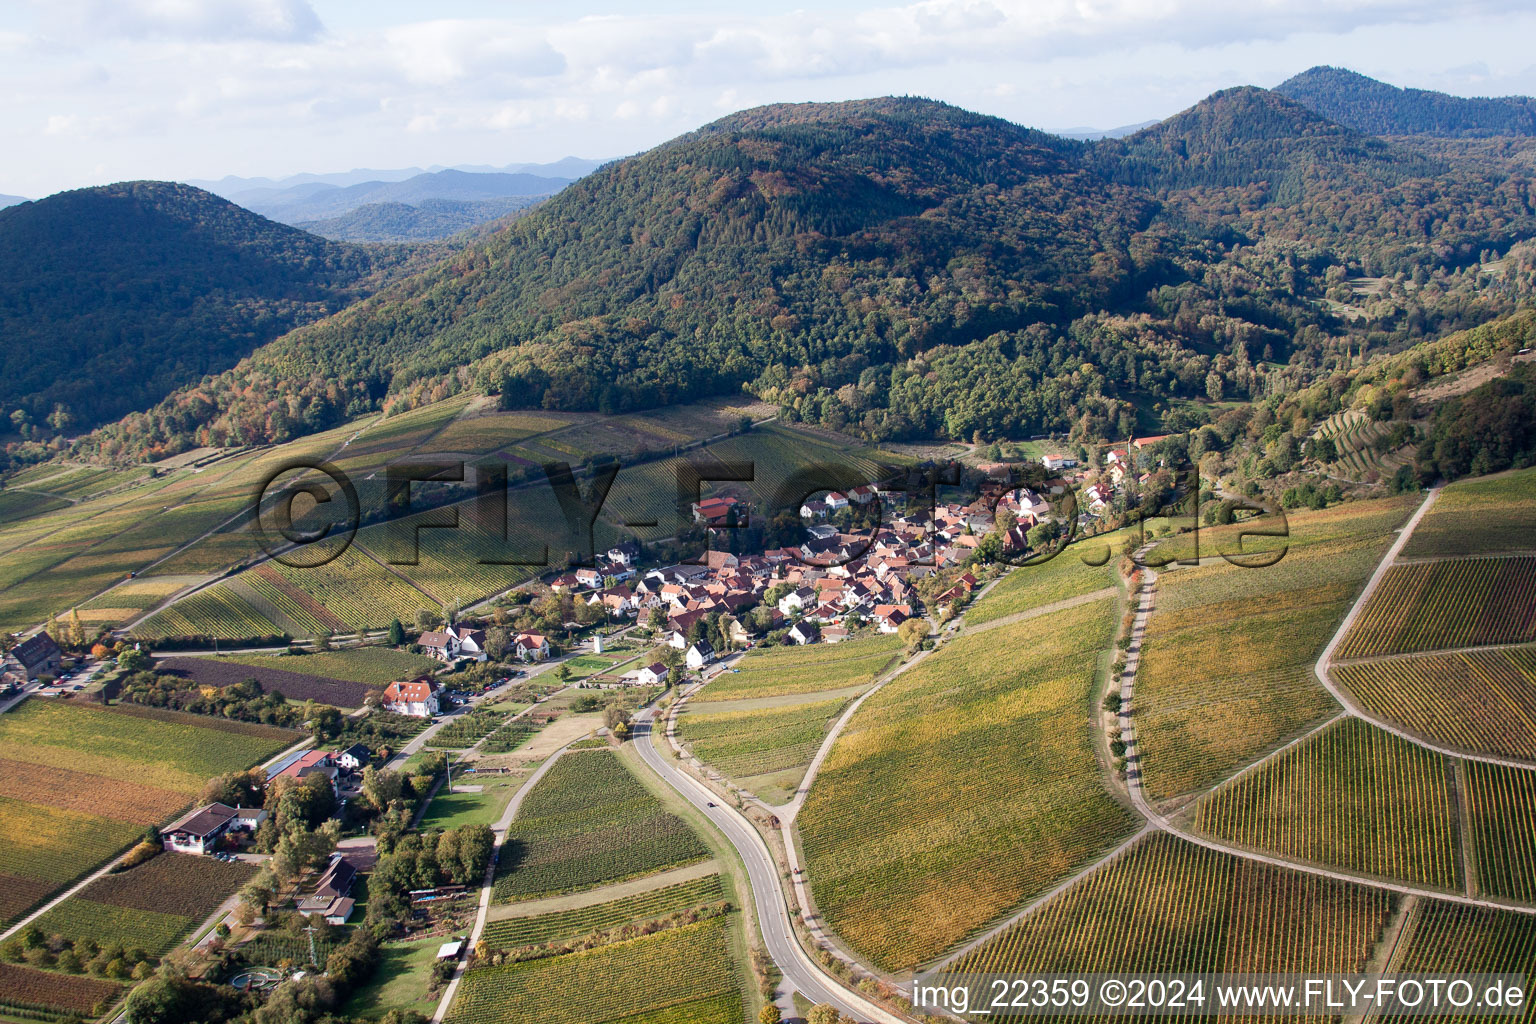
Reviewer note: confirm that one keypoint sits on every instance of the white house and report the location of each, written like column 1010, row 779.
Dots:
column 804, row 633
column 699, row 655
column 531, row 646
column 417, row 698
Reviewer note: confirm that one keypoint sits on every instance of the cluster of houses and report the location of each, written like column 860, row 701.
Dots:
column 202, row 831
column 822, row 589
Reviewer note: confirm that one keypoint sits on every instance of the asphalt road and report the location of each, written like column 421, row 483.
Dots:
column 798, row 968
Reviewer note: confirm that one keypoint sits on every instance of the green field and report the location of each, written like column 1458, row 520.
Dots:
column 587, row 822
column 1479, row 701
column 1482, row 516
column 1226, row 670
column 512, row 932
column 963, row 788
column 1170, row 906
column 778, row 671
column 1353, row 797
column 1429, row 606
column 678, row 976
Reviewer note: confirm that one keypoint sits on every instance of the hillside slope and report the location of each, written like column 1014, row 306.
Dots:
column 903, row 268
column 1377, row 108
column 113, row 297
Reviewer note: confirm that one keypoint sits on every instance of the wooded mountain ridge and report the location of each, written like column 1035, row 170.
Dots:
column 903, row 268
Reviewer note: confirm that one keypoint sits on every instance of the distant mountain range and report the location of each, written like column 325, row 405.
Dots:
column 229, row 186
column 429, row 205
column 1377, row 108
column 428, row 220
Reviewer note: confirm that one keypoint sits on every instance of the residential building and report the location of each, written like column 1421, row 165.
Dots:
column 417, row 698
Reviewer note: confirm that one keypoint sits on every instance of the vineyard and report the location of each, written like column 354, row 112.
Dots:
column 171, row 883
column 468, row 729
column 1356, row 435
column 215, row 611
column 1031, row 586
column 1166, row 905
column 780, row 671
column 1353, row 797
column 512, row 932
column 1226, row 670
column 222, row 672
column 117, row 799
column 1434, row 605
column 587, row 822
column 679, row 976
column 352, row 588
column 373, row 666
column 899, row 866
column 1448, row 937
column 78, row 918
column 754, row 742
column 101, row 762
column 1502, row 811
column 1474, row 517
column 57, row 995
column 1480, row 701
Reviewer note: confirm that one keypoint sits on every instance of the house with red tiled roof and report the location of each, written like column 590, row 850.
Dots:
column 417, row 698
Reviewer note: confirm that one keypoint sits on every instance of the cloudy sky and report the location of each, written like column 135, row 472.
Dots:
column 93, row 91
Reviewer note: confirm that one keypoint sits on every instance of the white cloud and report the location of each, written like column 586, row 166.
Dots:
column 193, row 88
column 204, row 20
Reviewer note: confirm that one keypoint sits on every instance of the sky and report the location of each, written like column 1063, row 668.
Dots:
column 94, row 91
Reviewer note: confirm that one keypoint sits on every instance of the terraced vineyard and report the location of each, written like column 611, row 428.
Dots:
column 992, row 716
column 1482, row 516
column 1479, row 701
column 1167, row 905
column 1353, row 797
column 1226, row 673
column 512, row 932
column 780, row 671
column 1501, row 804
column 589, row 821
column 678, row 976
column 1434, row 605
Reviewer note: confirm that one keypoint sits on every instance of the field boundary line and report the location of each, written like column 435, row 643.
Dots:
column 106, row 868
column 1324, row 666
column 1138, row 796
column 499, row 830
column 1147, row 828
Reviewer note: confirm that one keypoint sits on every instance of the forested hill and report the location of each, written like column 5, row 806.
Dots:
column 113, row 297
column 1380, row 109
column 899, row 268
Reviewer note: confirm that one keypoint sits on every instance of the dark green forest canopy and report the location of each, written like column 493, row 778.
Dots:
column 900, row 268
column 113, row 297
column 1377, row 108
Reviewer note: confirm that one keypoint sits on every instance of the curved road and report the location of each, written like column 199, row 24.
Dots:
column 804, row 974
